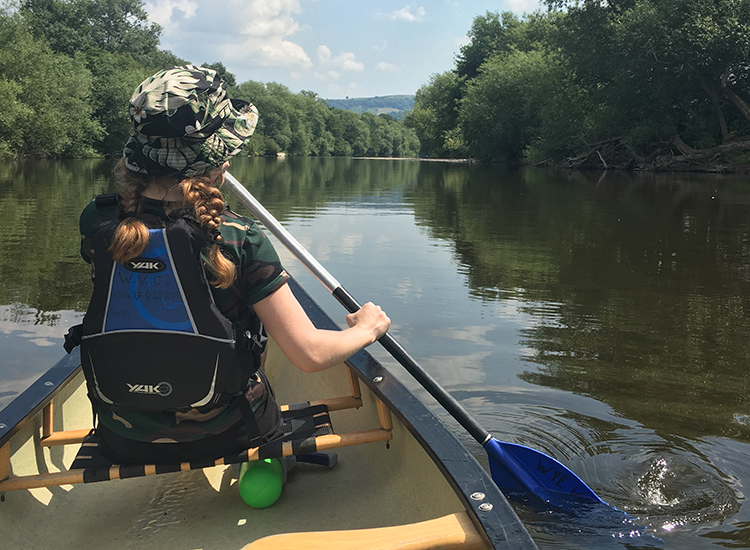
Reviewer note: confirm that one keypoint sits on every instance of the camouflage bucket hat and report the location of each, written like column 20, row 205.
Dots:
column 184, row 123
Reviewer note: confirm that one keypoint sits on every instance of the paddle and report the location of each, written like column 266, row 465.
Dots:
column 517, row 470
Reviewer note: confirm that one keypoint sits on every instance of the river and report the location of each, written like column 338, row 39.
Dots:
column 603, row 318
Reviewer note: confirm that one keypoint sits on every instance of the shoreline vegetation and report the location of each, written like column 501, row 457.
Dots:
column 648, row 85
column 69, row 67
column 660, row 85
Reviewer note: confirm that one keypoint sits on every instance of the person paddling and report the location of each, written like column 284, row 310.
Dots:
column 185, row 290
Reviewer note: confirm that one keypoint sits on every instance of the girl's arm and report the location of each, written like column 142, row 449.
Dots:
column 312, row 349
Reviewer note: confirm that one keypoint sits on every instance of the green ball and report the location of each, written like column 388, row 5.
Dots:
column 260, row 482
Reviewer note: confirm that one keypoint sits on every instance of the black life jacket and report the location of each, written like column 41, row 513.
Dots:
column 153, row 339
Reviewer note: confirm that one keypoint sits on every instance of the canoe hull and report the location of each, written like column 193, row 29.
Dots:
column 421, row 474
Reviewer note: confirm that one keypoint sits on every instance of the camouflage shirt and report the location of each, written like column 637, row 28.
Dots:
column 259, row 274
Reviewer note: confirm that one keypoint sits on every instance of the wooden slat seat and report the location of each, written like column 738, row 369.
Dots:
column 307, row 429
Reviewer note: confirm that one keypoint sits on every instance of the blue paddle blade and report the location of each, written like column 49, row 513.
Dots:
column 520, row 470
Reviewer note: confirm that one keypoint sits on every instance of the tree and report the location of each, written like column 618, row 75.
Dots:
column 666, row 66
column 114, row 77
column 490, row 34
column 435, row 112
column 115, row 26
column 499, row 114
column 117, row 44
column 49, row 94
column 12, row 118
column 229, row 79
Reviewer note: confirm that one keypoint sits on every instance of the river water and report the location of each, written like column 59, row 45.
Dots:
column 602, row 318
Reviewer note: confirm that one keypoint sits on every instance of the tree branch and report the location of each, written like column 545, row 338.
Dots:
column 736, row 100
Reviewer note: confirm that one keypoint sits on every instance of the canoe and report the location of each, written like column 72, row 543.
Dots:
column 402, row 480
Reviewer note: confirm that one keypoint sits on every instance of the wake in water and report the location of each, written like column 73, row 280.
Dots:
column 666, row 489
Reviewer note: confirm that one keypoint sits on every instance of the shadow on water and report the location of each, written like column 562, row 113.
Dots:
column 637, row 287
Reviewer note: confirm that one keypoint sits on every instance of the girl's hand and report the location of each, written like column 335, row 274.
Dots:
column 370, row 318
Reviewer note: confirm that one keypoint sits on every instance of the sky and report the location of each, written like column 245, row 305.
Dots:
column 336, row 48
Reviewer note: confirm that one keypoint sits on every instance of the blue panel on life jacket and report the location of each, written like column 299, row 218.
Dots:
column 145, row 293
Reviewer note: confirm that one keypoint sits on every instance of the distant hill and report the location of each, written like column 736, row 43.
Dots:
column 394, row 105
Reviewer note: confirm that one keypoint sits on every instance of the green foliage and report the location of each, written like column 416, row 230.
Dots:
column 436, row 112
column 549, row 85
column 114, row 77
column 49, row 109
column 303, row 124
column 69, row 67
column 99, row 50
column 499, row 112
column 665, row 66
column 115, row 26
column 490, row 34
column 12, row 118
column 229, row 79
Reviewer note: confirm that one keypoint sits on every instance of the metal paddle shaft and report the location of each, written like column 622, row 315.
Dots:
column 515, row 468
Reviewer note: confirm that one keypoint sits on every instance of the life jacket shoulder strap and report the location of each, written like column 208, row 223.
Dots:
column 108, row 210
column 106, row 200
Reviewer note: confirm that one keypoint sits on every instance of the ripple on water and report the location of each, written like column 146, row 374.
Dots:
column 679, row 487
column 665, row 486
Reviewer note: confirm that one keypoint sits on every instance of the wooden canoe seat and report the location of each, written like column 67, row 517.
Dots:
column 307, row 429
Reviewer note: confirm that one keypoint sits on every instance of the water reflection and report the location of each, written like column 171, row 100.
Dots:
column 635, row 293
column 637, row 285
column 40, row 202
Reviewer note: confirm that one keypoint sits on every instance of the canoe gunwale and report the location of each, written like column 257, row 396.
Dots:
column 34, row 398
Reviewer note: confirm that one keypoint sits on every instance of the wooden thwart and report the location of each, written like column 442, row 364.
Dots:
column 445, row 533
column 64, row 438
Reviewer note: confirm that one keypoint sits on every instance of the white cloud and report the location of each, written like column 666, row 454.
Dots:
column 276, row 53
column 240, row 32
column 334, row 66
column 347, row 62
column 163, row 11
column 522, row 6
column 329, row 69
column 267, row 26
column 324, row 53
column 388, row 67
column 408, row 14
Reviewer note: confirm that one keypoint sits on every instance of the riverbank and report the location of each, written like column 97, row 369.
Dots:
column 675, row 156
